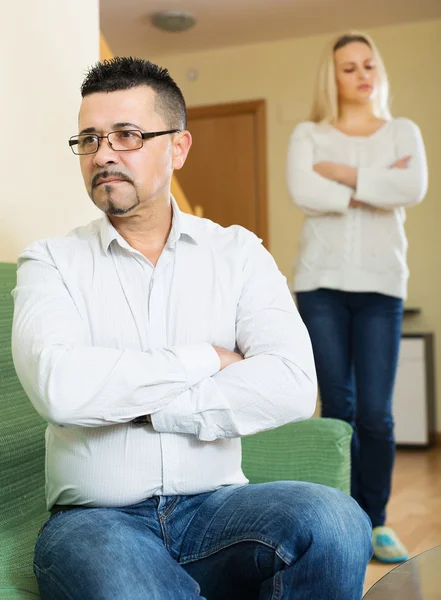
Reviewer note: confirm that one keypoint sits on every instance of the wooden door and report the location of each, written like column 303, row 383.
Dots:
column 225, row 172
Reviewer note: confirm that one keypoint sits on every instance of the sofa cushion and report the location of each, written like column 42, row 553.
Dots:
column 317, row 450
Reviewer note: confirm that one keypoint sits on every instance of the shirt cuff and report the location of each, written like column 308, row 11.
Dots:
column 200, row 361
column 176, row 417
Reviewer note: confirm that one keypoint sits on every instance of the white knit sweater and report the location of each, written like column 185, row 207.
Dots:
column 355, row 249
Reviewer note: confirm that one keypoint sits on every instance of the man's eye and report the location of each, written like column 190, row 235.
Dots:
column 87, row 140
column 126, row 135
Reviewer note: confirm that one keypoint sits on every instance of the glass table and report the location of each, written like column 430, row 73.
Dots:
column 417, row 579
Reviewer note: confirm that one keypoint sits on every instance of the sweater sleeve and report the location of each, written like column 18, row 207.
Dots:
column 311, row 192
column 388, row 188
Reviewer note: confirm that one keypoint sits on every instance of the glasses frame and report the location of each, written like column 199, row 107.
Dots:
column 73, row 140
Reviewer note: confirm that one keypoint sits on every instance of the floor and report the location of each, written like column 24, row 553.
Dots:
column 414, row 509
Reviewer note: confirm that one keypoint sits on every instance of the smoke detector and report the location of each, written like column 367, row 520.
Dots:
column 173, row 20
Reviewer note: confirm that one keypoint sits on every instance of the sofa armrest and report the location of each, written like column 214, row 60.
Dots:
column 316, row 450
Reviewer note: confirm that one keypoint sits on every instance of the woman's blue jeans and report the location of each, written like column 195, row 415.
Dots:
column 356, row 340
column 281, row 541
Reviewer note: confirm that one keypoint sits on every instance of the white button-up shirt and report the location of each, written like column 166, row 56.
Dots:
column 100, row 337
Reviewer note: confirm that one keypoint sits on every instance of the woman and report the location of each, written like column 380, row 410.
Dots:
column 353, row 170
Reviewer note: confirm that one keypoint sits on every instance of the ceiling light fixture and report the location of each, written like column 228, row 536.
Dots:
column 173, row 20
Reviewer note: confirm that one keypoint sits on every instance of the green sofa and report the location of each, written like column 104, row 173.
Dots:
column 316, row 450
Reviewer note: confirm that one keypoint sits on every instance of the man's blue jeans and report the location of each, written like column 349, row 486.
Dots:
column 356, row 340
column 283, row 540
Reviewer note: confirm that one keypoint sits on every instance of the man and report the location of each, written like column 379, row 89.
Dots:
column 150, row 341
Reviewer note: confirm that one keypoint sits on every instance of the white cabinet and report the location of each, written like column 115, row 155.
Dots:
column 414, row 402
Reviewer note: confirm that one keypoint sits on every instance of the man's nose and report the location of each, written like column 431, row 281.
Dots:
column 105, row 155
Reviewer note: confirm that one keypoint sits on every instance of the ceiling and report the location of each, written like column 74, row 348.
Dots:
column 126, row 23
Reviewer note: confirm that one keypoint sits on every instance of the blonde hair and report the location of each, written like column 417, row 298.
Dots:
column 325, row 103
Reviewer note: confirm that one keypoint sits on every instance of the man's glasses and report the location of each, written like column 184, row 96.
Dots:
column 120, row 141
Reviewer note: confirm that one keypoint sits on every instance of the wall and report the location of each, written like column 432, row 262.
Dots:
column 283, row 73
column 46, row 49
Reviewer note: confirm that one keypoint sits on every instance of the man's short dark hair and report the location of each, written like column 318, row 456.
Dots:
column 123, row 73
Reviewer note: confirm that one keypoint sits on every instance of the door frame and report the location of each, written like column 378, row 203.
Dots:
column 257, row 108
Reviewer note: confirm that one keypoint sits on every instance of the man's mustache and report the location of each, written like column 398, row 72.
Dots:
column 96, row 180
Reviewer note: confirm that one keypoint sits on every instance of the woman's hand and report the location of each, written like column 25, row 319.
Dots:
column 357, row 204
column 348, row 175
column 336, row 172
column 401, row 163
column 326, row 169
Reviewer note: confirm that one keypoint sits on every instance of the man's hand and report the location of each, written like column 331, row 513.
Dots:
column 401, row 163
column 227, row 357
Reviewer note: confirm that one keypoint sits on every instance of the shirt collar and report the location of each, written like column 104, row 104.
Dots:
column 184, row 226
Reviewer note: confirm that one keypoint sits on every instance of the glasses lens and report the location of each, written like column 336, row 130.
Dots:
column 125, row 140
column 87, row 144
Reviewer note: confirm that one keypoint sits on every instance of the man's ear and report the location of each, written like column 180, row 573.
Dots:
column 181, row 147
